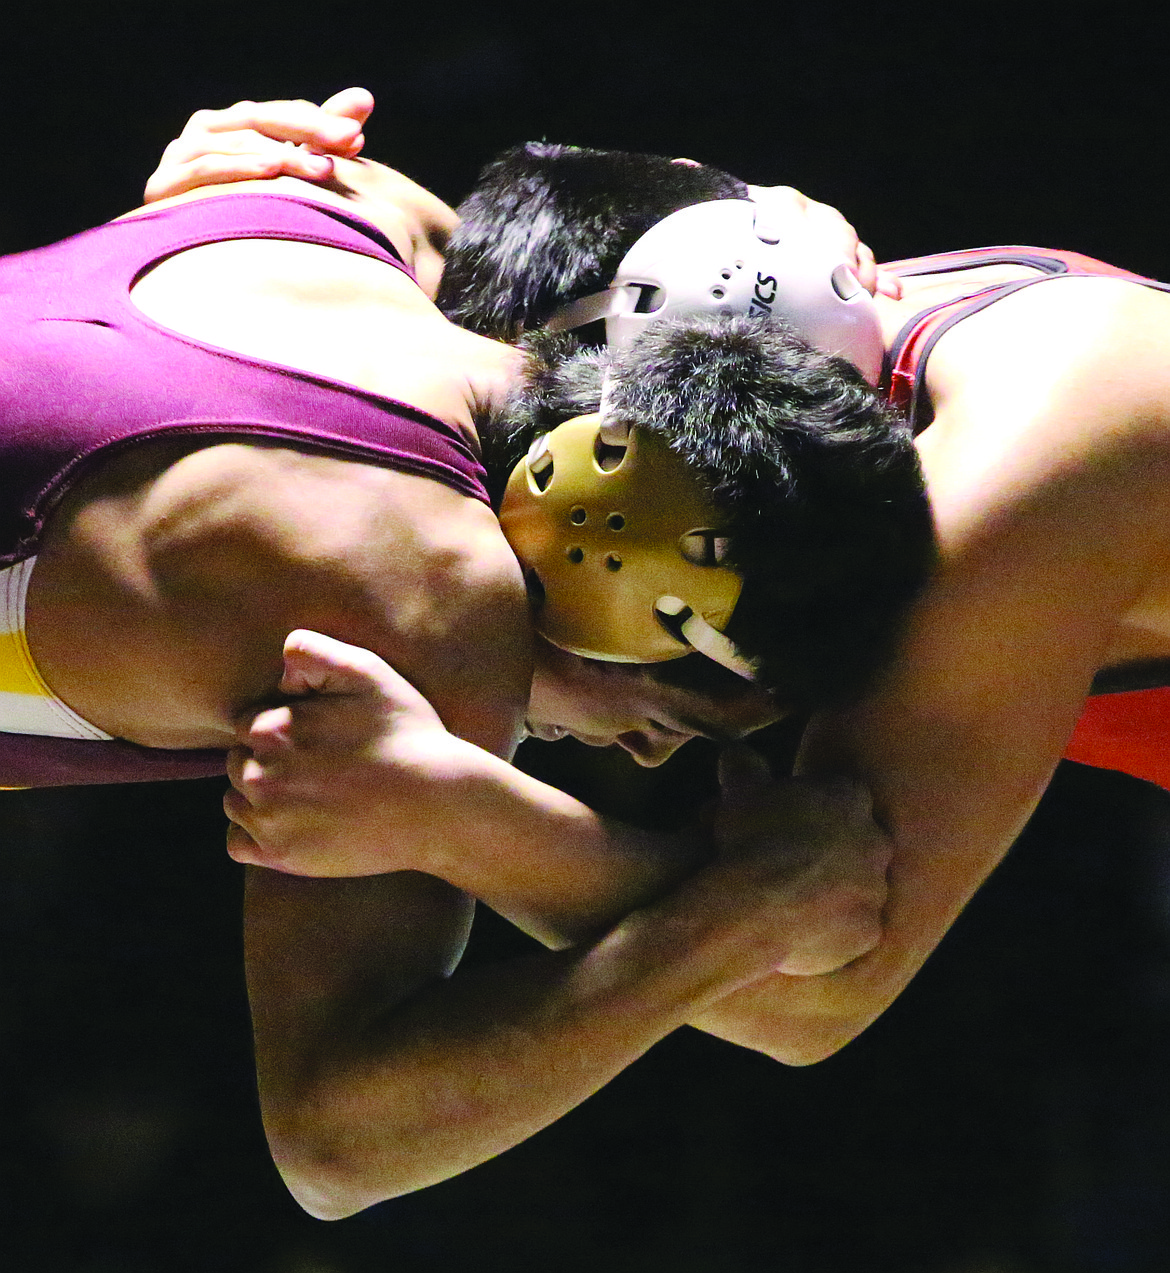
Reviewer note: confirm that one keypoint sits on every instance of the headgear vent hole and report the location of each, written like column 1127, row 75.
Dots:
column 540, row 472
column 615, row 521
column 608, row 455
column 575, row 555
column 578, row 516
column 613, row 562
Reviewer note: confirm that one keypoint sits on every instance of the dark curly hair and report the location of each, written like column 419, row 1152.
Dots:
column 819, row 483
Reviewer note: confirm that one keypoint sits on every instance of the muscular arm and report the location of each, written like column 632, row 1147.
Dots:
column 1050, row 477
column 380, row 1072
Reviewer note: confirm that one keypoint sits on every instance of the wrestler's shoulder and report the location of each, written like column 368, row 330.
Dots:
column 1108, row 338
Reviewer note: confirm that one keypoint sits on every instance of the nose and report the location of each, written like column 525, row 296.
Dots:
column 652, row 747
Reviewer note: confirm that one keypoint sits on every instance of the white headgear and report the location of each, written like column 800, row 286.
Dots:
column 739, row 256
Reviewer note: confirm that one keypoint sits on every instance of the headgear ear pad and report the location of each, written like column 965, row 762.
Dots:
column 608, row 523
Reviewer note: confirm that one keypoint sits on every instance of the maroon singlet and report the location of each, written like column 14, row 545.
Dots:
column 1128, row 731
column 84, row 375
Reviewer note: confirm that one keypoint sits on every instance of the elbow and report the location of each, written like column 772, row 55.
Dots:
column 324, row 1169
column 804, row 1051
column 323, row 1184
column 794, row 1043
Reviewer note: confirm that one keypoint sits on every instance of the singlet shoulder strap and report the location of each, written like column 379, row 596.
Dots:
column 138, row 243
column 904, row 374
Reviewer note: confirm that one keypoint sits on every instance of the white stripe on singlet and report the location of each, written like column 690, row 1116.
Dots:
column 27, row 705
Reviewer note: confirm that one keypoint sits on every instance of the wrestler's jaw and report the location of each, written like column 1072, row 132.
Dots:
column 606, row 704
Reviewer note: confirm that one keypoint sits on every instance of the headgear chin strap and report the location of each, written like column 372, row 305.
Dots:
column 618, row 543
column 739, row 256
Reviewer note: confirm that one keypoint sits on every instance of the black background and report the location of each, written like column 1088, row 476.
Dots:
column 1009, row 1114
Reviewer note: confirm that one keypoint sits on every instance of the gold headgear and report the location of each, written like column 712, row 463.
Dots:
column 617, row 537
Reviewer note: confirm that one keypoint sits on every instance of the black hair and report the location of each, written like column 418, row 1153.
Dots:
column 819, row 483
column 547, row 224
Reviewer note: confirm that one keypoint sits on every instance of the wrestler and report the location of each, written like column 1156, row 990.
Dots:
column 238, row 415
column 1044, row 434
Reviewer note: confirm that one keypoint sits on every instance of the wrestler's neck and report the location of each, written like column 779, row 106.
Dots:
column 490, row 370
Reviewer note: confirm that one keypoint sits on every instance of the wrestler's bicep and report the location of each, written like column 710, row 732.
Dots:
column 326, row 958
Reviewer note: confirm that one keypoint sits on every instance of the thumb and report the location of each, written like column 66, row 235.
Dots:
column 742, row 770
column 319, row 664
column 315, row 664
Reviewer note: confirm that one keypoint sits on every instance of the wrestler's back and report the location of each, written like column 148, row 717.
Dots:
column 185, row 564
column 992, row 375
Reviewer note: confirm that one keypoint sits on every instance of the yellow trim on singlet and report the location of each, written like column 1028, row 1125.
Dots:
column 27, row 704
column 18, row 672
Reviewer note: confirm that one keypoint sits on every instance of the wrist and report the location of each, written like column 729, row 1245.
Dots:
column 701, row 942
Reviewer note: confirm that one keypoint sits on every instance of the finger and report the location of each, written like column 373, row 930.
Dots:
column 237, row 757
column 240, row 814
column 299, row 122
column 866, row 268
column 889, row 284
column 295, row 121
column 845, row 797
column 248, row 143
column 257, row 780
column 742, row 770
column 241, row 141
column 210, row 170
column 267, row 733
column 352, row 103
column 319, row 664
column 243, row 849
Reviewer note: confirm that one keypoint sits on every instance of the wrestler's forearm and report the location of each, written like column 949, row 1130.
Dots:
column 543, row 860
column 564, row 873
column 953, row 810
column 379, row 1076
column 801, row 1020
